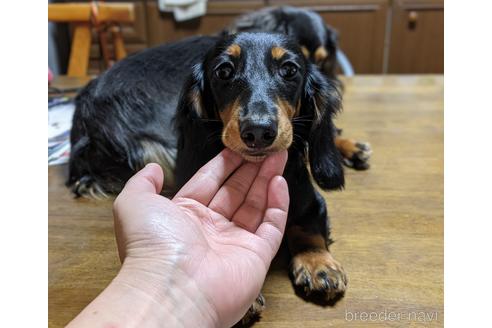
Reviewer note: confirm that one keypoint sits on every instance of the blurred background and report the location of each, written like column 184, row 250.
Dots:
column 377, row 36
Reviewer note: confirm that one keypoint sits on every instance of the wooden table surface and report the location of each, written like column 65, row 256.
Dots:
column 387, row 223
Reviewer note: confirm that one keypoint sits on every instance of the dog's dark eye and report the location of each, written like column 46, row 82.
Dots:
column 225, row 71
column 288, row 70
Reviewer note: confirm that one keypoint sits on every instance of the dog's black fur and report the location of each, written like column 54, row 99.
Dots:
column 124, row 119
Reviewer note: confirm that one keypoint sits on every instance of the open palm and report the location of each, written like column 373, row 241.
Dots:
column 219, row 233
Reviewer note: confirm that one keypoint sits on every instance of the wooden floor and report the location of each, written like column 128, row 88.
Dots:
column 387, row 223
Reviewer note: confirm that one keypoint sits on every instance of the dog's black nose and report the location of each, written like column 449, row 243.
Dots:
column 258, row 134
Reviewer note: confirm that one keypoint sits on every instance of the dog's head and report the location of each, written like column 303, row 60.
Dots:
column 257, row 85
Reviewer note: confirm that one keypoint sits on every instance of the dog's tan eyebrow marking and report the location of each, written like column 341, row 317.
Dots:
column 320, row 54
column 234, row 50
column 278, row 52
column 305, row 51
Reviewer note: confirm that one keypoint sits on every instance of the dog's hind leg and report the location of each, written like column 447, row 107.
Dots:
column 92, row 172
column 81, row 181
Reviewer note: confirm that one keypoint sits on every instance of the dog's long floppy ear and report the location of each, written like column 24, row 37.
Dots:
column 194, row 123
column 193, row 95
column 194, row 103
column 323, row 100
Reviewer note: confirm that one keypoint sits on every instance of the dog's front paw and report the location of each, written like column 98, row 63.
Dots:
column 356, row 154
column 254, row 312
column 317, row 272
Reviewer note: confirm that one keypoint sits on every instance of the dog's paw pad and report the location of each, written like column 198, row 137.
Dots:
column 317, row 272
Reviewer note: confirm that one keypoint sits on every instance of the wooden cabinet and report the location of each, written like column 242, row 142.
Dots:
column 361, row 25
column 163, row 28
column 417, row 37
column 361, row 34
column 386, row 36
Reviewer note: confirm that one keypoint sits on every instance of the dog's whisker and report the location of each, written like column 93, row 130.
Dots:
column 208, row 120
column 299, row 138
column 213, row 136
column 302, row 120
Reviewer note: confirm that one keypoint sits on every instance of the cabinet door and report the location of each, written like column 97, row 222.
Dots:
column 163, row 28
column 361, row 26
column 417, row 37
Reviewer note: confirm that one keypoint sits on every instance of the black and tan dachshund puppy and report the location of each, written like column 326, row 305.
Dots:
column 254, row 93
column 319, row 44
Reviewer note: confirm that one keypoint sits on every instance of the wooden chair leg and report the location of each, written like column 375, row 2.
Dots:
column 80, row 51
column 119, row 46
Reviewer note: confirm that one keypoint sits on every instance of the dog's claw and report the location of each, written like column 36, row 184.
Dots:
column 319, row 273
column 254, row 312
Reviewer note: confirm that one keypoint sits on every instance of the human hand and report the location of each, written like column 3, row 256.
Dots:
column 205, row 253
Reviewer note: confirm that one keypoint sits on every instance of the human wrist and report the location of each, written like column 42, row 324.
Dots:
column 162, row 294
column 147, row 295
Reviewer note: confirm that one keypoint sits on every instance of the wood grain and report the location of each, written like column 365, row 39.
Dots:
column 134, row 37
column 387, row 223
column 79, row 53
column 81, row 12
